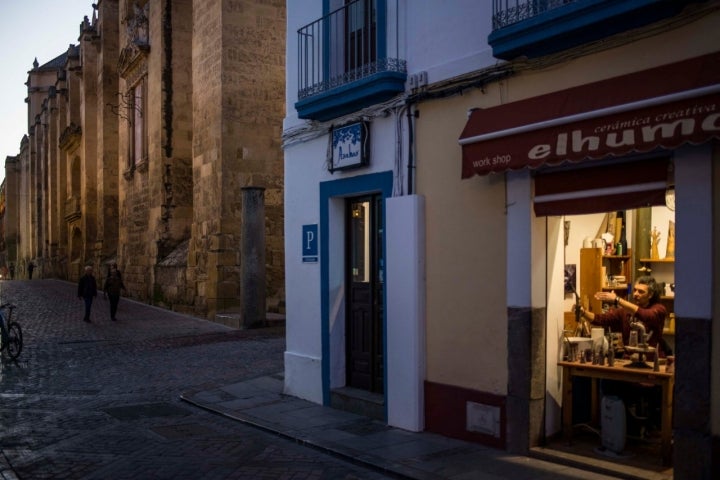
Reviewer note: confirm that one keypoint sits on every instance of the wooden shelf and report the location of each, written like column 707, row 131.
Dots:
column 657, row 260
column 592, row 262
column 618, row 288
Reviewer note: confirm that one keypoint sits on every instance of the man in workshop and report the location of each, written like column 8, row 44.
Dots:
column 645, row 309
column 644, row 313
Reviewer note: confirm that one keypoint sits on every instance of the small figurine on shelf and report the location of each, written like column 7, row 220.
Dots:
column 610, row 348
column 609, row 245
column 654, row 240
column 670, row 253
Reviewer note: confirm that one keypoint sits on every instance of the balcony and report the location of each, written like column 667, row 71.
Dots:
column 533, row 28
column 346, row 61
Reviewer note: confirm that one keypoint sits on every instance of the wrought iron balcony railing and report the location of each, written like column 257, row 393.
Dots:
column 533, row 28
column 349, row 44
column 507, row 12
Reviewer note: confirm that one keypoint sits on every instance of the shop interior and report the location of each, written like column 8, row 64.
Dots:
column 619, row 392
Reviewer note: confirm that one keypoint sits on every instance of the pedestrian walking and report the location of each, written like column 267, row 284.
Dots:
column 113, row 286
column 87, row 290
column 31, row 267
column 12, row 272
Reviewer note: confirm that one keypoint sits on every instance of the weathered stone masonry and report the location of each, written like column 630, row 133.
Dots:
column 144, row 136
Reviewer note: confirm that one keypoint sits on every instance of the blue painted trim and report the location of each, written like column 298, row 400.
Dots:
column 345, row 187
column 352, row 97
column 577, row 23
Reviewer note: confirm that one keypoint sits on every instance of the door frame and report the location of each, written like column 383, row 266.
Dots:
column 332, row 199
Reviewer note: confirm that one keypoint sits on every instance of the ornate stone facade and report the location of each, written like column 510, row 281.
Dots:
column 140, row 140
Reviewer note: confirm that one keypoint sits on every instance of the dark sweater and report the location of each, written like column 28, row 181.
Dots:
column 114, row 283
column 87, row 287
column 618, row 319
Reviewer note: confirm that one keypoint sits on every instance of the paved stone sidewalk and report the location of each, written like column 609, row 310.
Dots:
column 102, row 400
column 162, row 395
column 421, row 456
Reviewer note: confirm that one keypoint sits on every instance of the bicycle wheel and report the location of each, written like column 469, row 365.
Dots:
column 15, row 340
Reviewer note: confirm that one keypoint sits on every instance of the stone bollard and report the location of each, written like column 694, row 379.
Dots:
column 252, row 260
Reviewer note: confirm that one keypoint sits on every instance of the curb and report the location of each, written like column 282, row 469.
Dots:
column 377, row 464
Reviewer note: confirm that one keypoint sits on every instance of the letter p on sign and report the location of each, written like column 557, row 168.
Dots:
column 310, row 243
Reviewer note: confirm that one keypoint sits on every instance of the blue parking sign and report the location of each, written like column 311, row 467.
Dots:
column 310, row 243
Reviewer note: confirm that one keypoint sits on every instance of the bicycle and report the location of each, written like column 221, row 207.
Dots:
column 11, row 334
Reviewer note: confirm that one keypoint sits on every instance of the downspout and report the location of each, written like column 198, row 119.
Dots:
column 411, row 140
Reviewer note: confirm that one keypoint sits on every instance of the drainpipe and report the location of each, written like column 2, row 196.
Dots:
column 411, row 165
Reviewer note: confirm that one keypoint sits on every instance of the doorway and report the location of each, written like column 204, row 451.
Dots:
column 365, row 287
column 637, row 422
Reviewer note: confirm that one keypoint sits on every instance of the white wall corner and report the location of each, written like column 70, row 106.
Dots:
column 519, row 237
column 405, row 244
column 303, row 377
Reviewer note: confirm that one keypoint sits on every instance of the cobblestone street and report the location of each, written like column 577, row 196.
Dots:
column 101, row 400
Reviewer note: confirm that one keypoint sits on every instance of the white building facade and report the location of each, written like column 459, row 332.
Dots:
column 354, row 225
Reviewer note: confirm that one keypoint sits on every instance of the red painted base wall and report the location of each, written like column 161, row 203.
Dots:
column 445, row 408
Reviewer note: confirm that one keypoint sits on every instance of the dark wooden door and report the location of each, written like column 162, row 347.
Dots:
column 365, row 281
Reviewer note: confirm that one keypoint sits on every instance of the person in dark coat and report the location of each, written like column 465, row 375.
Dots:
column 113, row 286
column 87, row 290
column 31, row 267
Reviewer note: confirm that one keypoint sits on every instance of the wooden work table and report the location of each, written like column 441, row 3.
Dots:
column 618, row 372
